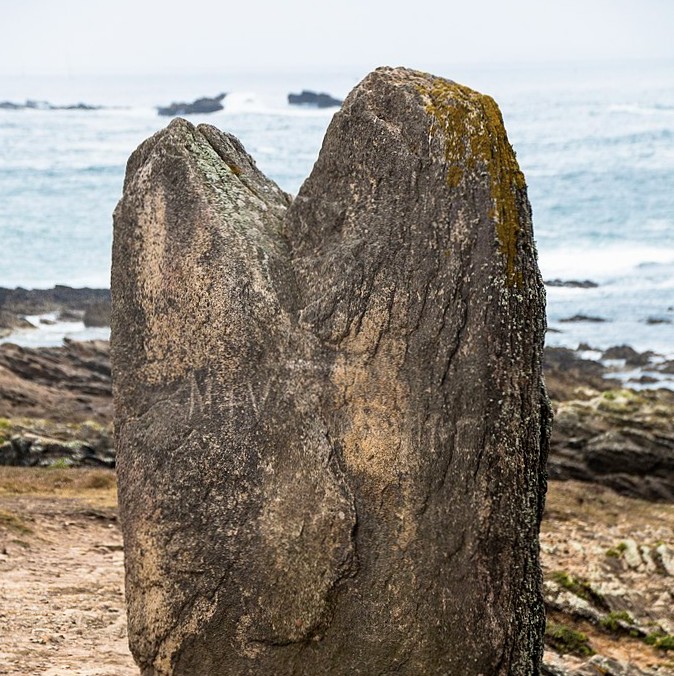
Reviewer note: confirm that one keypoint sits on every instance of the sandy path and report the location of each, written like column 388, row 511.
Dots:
column 61, row 593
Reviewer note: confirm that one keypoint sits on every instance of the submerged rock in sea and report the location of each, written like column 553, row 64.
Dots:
column 583, row 318
column 330, row 420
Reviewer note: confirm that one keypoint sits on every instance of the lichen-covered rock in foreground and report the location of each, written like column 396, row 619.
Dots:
column 331, row 425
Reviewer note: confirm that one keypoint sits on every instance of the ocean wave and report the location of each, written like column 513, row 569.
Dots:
column 48, row 331
column 642, row 109
column 270, row 104
column 656, row 137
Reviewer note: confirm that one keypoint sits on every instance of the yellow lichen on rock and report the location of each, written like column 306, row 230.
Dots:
column 475, row 140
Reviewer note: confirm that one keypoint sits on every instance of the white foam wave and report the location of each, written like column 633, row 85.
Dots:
column 49, row 332
column 605, row 263
column 270, row 103
column 642, row 109
column 247, row 102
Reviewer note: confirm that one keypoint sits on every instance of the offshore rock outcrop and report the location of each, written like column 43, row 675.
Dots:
column 45, row 105
column 197, row 107
column 330, row 420
column 314, row 99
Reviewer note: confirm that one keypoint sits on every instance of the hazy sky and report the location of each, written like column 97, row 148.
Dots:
column 147, row 36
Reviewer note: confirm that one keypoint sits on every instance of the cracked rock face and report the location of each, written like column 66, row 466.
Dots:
column 330, row 419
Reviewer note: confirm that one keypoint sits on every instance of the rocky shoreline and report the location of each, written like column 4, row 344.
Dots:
column 56, row 405
column 90, row 306
column 604, row 433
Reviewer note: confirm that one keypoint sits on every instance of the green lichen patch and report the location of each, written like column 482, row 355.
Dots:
column 476, row 141
column 567, row 641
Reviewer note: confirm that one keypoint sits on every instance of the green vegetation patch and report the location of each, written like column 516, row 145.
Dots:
column 580, row 588
column 620, row 401
column 5, row 430
column 617, row 551
column 660, row 640
column 60, row 463
column 617, row 622
column 566, row 640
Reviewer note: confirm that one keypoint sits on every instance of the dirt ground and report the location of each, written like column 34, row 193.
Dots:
column 61, row 574
column 584, row 538
column 61, row 568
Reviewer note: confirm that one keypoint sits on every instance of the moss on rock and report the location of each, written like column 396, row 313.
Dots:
column 476, row 141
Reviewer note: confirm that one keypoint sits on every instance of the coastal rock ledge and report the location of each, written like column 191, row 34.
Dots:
column 330, row 419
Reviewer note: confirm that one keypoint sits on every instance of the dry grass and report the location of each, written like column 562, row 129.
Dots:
column 566, row 501
column 14, row 523
column 97, row 487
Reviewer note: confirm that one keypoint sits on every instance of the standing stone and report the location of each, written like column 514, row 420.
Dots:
column 331, row 425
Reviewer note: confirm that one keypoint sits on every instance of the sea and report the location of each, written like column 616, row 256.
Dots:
column 595, row 142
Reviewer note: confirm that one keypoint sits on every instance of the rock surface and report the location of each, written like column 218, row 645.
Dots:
column 29, row 442
column 619, row 438
column 9, row 322
column 330, row 420
column 97, row 314
column 608, row 434
column 566, row 374
column 69, row 383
